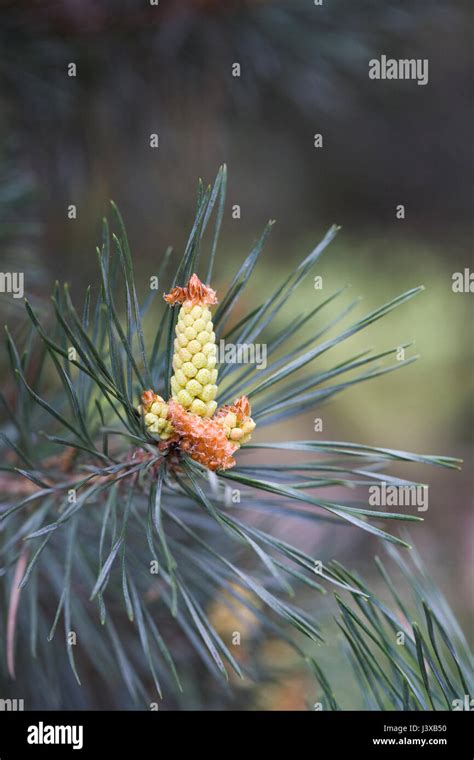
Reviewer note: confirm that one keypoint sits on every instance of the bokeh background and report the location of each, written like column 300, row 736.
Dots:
column 167, row 69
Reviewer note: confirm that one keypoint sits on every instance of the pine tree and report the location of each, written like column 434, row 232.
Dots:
column 124, row 447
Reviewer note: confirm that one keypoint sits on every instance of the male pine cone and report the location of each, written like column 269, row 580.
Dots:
column 190, row 418
column 156, row 415
column 193, row 384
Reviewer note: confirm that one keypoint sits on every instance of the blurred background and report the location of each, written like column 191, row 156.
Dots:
column 167, row 69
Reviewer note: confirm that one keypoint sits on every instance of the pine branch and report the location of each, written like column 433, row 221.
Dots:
column 402, row 658
column 119, row 525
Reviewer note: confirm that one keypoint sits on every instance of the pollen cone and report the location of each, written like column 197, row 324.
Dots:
column 193, row 384
column 155, row 414
column 236, row 421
